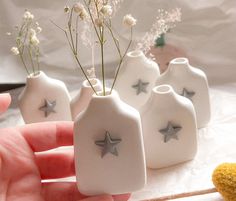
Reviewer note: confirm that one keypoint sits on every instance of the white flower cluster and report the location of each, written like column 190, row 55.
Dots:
column 164, row 21
column 27, row 32
column 15, row 50
column 129, row 21
column 80, row 10
column 28, row 16
column 106, row 10
column 33, row 37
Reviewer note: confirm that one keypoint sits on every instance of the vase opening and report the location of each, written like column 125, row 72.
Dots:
column 35, row 75
column 108, row 93
column 162, row 89
column 179, row 65
column 136, row 53
column 180, row 60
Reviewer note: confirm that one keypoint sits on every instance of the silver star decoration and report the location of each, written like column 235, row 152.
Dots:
column 108, row 145
column 48, row 107
column 188, row 94
column 140, row 87
column 170, row 132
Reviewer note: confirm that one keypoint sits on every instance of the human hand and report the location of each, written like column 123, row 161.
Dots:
column 24, row 162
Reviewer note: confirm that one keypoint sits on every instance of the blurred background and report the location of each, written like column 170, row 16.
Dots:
column 206, row 36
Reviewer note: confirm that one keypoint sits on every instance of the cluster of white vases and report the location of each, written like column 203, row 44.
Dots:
column 153, row 121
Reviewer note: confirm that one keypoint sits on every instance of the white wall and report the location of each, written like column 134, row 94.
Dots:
column 206, row 33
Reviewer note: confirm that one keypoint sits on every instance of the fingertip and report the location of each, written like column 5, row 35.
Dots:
column 5, row 100
column 99, row 198
column 123, row 197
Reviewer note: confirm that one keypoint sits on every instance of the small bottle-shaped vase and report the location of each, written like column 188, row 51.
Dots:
column 189, row 82
column 44, row 99
column 169, row 128
column 136, row 79
column 82, row 99
column 108, row 144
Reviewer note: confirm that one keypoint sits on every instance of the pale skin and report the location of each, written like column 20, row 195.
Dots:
column 24, row 164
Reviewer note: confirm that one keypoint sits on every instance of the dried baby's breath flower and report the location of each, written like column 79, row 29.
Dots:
column 8, row 33
column 34, row 40
column 78, row 7
column 32, row 32
column 28, row 16
column 15, row 50
column 106, row 10
column 80, row 10
column 129, row 20
column 27, row 43
column 164, row 21
column 99, row 22
column 39, row 29
column 66, row 9
column 83, row 14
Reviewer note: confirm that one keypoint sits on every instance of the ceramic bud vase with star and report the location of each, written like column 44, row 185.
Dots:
column 108, row 144
column 169, row 128
column 82, row 99
column 44, row 99
column 137, row 77
column 192, row 83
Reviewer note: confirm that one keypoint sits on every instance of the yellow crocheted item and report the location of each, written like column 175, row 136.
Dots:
column 224, row 179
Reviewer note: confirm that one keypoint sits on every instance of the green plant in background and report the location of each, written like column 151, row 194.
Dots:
column 160, row 41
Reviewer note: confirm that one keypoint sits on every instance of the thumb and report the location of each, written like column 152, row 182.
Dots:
column 5, row 100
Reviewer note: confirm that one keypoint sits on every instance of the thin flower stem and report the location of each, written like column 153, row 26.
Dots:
column 121, row 60
column 91, row 17
column 31, row 59
column 67, row 37
column 26, row 35
column 70, row 31
column 37, row 59
column 76, row 57
column 114, row 39
column 102, row 55
column 76, row 35
column 101, row 32
column 22, row 59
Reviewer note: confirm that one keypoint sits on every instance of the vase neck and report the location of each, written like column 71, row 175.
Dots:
column 109, row 100
column 162, row 94
column 36, row 80
column 179, row 66
column 135, row 58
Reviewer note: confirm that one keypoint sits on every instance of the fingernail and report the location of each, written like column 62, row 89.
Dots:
column 5, row 95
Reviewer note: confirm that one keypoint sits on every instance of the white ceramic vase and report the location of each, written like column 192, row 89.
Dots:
column 108, row 144
column 44, row 99
column 192, row 83
column 136, row 79
column 81, row 101
column 169, row 128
